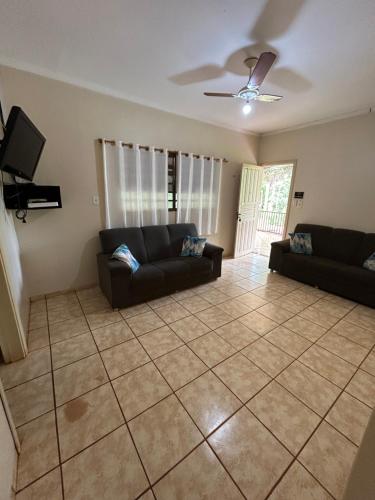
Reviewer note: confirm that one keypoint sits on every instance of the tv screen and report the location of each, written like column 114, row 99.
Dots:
column 22, row 145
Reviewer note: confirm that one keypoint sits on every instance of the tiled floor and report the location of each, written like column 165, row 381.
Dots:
column 252, row 386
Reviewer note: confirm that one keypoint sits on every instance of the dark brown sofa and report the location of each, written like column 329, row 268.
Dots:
column 162, row 271
column 336, row 263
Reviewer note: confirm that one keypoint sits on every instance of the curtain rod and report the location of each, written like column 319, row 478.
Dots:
column 160, row 150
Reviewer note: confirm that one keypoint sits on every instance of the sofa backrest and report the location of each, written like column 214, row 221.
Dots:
column 132, row 236
column 148, row 243
column 177, row 233
column 342, row 245
column 366, row 249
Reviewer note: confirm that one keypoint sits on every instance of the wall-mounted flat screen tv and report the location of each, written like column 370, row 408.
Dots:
column 21, row 146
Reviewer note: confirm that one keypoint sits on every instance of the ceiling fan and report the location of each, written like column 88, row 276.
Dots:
column 259, row 67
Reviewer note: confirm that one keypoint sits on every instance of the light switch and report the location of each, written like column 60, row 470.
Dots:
column 95, row 199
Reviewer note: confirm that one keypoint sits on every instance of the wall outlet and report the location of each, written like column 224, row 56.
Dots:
column 95, row 199
column 298, row 203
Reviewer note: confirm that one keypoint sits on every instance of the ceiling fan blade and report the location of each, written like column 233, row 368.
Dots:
column 219, row 94
column 268, row 97
column 262, row 67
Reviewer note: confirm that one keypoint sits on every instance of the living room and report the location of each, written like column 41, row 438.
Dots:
column 72, row 319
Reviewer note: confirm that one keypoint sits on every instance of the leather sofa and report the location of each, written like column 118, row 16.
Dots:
column 162, row 270
column 336, row 263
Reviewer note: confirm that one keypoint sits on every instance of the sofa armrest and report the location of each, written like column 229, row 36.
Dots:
column 278, row 248
column 214, row 253
column 114, row 275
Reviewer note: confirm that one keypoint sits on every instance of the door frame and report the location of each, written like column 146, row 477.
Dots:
column 290, row 197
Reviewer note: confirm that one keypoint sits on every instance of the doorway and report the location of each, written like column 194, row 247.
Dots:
column 263, row 207
column 275, row 195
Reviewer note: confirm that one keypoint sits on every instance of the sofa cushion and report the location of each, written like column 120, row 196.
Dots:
column 147, row 277
column 176, row 271
column 345, row 244
column 320, row 237
column 177, row 233
column 366, row 249
column 157, row 242
column 131, row 236
column 198, row 266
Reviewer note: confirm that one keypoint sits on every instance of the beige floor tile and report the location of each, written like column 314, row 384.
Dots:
column 362, row 386
column 64, row 314
column 234, row 290
column 350, row 417
column 103, row 318
column 30, row 400
column 312, row 389
column 241, row 376
column 369, row 363
column 251, row 300
column 180, row 367
column 37, row 320
column 162, row 301
column 329, row 457
column 252, row 456
column 344, row 348
column 160, row 341
column 311, row 331
column 362, row 317
column 145, row 322
column 95, row 304
column 38, row 306
column 362, row 336
column 86, row 419
column 62, row 300
column 129, row 312
column 258, row 323
column 46, row 488
column 328, row 365
column 172, row 312
column 87, row 374
column 109, row 469
column 163, row 435
column 248, row 284
column 234, row 308
column 237, row 334
column 329, row 307
column 38, row 338
column 73, row 349
column 292, row 305
column 39, row 452
column 123, row 358
column 147, row 496
column 208, row 402
column 140, row 389
column 35, row 364
column 285, row 416
column 288, row 341
column 111, row 335
column 267, row 356
column 200, row 475
column 67, row 329
column 89, row 293
column 211, row 348
column 189, row 328
column 214, row 317
column 266, row 293
column 303, row 295
column 215, row 296
column 320, row 318
column 276, row 313
column 195, row 304
column 298, row 484
column 184, row 294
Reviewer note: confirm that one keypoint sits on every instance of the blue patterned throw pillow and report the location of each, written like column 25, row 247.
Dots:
column 370, row 263
column 124, row 254
column 301, row 243
column 193, row 246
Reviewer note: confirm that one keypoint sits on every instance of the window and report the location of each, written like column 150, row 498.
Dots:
column 172, row 181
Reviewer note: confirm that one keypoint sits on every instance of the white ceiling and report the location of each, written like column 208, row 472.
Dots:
column 166, row 53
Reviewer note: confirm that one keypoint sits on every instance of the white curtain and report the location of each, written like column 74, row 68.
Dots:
column 198, row 192
column 135, row 186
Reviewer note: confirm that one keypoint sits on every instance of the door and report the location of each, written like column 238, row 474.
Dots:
column 248, row 206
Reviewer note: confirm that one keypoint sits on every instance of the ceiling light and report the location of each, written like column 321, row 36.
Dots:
column 246, row 109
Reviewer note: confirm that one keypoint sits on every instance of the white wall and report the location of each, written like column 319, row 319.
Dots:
column 335, row 169
column 58, row 247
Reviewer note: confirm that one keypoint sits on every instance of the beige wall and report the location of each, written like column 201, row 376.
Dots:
column 58, row 247
column 335, row 169
column 8, row 458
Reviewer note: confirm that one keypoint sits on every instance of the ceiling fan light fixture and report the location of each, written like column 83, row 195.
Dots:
column 246, row 109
